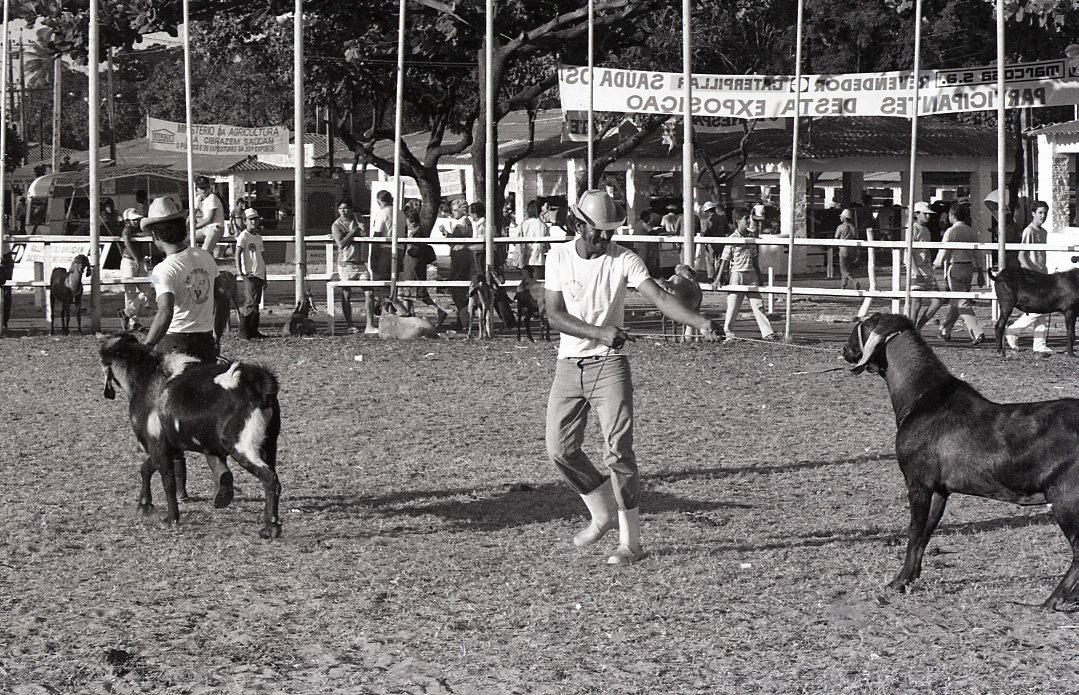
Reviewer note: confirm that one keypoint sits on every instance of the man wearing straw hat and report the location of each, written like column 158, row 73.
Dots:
column 185, row 286
column 585, row 290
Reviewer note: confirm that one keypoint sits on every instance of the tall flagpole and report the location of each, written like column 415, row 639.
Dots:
column 687, row 133
column 489, row 116
column 911, row 199
column 794, row 169
column 187, row 115
column 1001, row 151
column 299, row 138
column 398, row 203
column 591, row 94
column 95, row 185
column 4, row 229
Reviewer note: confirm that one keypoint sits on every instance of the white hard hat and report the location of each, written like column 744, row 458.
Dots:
column 597, row 209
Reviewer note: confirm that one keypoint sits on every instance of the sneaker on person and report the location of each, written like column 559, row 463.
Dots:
column 370, row 330
column 730, row 338
column 1043, row 349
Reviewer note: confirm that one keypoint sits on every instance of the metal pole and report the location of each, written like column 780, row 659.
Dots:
column 95, row 185
column 298, row 137
column 591, row 95
column 187, row 115
column 1001, row 151
column 687, row 133
column 23, row 124
column 914, row 150
column 398, row 204
column 489, row 126
column 794, row 170
column 4, row 229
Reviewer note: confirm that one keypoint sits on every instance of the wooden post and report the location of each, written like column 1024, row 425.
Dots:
column 794, row 169
column 687, row 133
column 591, row 97
column 912, row 199
column 187, row 116
column 771, row 295
column 94, row 62
column 298, row 139
column 3, row 139
column 57, row 99
column 112, row 112
column 398, row 204
column 897, row 283
column 1001, row 151
column 489, row 132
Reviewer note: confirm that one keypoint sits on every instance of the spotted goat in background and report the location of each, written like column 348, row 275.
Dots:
column 176, row 404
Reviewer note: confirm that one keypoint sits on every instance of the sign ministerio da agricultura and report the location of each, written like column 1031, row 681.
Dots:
column 1044, row 83
column 216, row 139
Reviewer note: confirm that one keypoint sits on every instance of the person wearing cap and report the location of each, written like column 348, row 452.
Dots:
column 742, row 259
column 847, row 254
column 1035, row 261
column 922, row 276
column 132, row 265
column 186, row 294
column 960, row 267
column 251, row 267
column 209, row 215
column 585, row 292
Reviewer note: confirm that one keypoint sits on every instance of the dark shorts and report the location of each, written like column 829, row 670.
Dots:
column 199, row 345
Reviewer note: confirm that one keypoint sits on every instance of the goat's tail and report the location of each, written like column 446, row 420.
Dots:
column 261, row 382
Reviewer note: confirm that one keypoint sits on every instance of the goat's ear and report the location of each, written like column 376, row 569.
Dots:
column 110, row 392
column 873, row 343
column 87, row 270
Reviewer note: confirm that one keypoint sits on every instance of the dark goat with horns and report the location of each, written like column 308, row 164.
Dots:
column 951, row 439
column 176, row 404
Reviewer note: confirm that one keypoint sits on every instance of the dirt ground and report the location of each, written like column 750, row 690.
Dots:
column 426, row 538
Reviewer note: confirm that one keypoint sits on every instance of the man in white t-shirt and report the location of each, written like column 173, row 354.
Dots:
column 251, row 266
column 184, row 323
column 1033, row 260
column 209, row 215
column 379, row 260
column 585, row 290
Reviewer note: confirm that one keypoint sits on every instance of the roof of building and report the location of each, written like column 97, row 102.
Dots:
column 1065, row 128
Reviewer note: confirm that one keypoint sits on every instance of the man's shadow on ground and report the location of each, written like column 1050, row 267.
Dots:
column 511, row 505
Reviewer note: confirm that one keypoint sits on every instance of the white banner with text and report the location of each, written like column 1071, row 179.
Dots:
column 217, row 139
column 1043, row 83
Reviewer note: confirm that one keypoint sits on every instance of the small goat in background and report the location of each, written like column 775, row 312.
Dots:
column 531, row 301
column 176, row 404
column 65, row 289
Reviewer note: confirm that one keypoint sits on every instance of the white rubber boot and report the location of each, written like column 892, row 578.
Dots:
column 629, row 538
column 1040, row 345
column 601, row 506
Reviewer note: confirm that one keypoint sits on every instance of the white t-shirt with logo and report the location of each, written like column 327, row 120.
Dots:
column 594, row 290
column 250, row 247
column 189, row 276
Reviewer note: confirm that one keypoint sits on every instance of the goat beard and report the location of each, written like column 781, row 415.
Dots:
column 110, row 392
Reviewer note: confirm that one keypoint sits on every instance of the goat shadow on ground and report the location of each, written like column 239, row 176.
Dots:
column 491, row 509
column 879, row 535
column 710, row 472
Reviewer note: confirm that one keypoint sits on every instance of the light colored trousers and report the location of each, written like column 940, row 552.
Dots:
column 605, row 385
column 1040, row 322
column 959, row 280
column 756, row 304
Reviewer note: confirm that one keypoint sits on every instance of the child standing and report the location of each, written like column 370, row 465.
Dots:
column 251, row 266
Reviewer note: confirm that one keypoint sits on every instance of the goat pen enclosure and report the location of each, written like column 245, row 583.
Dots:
column 426, row 539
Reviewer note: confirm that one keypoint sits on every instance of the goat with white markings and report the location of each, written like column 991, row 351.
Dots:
column 65, row 289
column 176, row 404
column 951, row 439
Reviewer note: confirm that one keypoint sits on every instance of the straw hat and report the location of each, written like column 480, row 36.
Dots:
column 162, row 210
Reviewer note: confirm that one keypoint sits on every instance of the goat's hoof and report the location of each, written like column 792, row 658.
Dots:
column 1061, row 605
column 146, row 508
column 270, row 531
column 223, row 496
column 899, row 585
